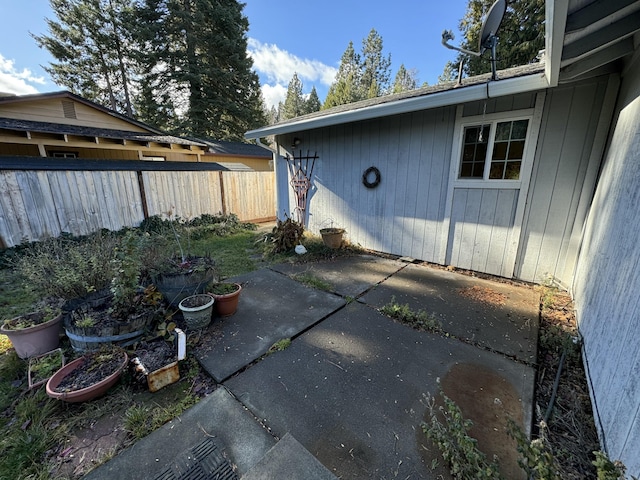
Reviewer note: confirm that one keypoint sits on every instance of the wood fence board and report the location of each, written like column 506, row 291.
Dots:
column 35, row 204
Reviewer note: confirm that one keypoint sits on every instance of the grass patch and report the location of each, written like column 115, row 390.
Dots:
column 311, row 280
column 420, row 320
column 280, row 345
column 316, row 250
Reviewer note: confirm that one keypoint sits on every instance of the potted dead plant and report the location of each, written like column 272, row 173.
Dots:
column 332, row 237
column 196, row 310
column 178, row 274
column 34, row 333
column 120, row 315
column 226, row 295
column 180, row 277
column 89, row 376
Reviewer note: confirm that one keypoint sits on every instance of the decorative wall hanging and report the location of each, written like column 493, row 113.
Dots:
column 301, row 172
column 367, row 179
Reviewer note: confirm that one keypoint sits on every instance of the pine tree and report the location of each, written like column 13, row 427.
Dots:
column 313, row 102
column 360, row 76
column 90, row 44
column 294, row 104
column 346, row 85
column 197, row 57
column 405, row 80
column 521, row 35
column 375, row 67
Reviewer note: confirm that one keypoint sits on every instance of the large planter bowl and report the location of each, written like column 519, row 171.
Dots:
column 226, row 304
column 84, row 394
column 332, row 237
column 199, row 315
column 177, row 287
column 36, row 340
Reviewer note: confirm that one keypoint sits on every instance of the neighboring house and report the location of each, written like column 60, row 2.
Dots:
column 533, row 176
column 70, row 165
column 65, row 125
column 229, row 153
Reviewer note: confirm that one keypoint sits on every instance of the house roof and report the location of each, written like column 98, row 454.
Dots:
column 29, row 126
column 236, row 148
column 72, row 96
column 514, row 80
column 583, row 37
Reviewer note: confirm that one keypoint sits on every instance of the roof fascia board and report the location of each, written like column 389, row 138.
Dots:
column 556, row 20
column 440, row 99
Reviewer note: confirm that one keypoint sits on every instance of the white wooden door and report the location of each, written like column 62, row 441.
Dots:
column 492, row 158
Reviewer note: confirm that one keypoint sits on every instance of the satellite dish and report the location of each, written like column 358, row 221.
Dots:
column 488, row 34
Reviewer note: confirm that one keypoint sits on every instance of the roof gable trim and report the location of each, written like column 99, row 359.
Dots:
column 435, row 100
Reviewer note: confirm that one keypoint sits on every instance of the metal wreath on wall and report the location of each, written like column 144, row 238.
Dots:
column 301, row 172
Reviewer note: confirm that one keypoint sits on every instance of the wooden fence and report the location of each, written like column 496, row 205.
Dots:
column 44, row 197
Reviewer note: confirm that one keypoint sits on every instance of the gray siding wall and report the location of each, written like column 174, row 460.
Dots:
column 404, row 213
column 607, row 283
column 480, row 223
column 572, row 138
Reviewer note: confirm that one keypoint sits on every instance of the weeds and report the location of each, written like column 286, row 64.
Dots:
column 458, row 448
column 608, row 470
column 67, row 267
column 280, row 345
column 420, row 320
column 312, row 281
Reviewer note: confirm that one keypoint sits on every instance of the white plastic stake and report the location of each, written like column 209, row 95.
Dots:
column 182, row 344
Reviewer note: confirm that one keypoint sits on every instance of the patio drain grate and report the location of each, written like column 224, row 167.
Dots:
column 202, row 462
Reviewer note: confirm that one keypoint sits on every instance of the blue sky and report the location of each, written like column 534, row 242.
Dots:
column 285, row 36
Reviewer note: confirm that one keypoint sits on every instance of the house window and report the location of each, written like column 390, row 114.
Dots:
column 64, row 154
column 493, row 151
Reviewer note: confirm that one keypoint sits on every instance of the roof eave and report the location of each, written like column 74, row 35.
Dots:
column 481, row 91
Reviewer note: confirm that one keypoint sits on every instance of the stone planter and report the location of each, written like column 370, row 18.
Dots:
column 36, row 340
column 332, row 237
column 197, row 310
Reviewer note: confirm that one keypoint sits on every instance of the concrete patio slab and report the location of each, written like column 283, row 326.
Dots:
column 348, row 276
column 351, row 391
column 272, row 307
column 497, row 315
column 243, row 440
column 288, row 459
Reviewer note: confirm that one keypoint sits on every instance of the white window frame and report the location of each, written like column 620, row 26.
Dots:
column 492, row 120
column 64, row 154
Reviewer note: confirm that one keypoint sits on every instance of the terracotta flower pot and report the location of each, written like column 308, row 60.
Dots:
column 36, row 340
column 197, row 310
column 226, row 304
column 84, row 394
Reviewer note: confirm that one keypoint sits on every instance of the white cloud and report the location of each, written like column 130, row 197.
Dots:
column 274, row 94
column 15, row 81
column 277, row 66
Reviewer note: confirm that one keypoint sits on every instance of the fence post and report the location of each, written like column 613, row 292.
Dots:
column 143, row 195
column 222, row 195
